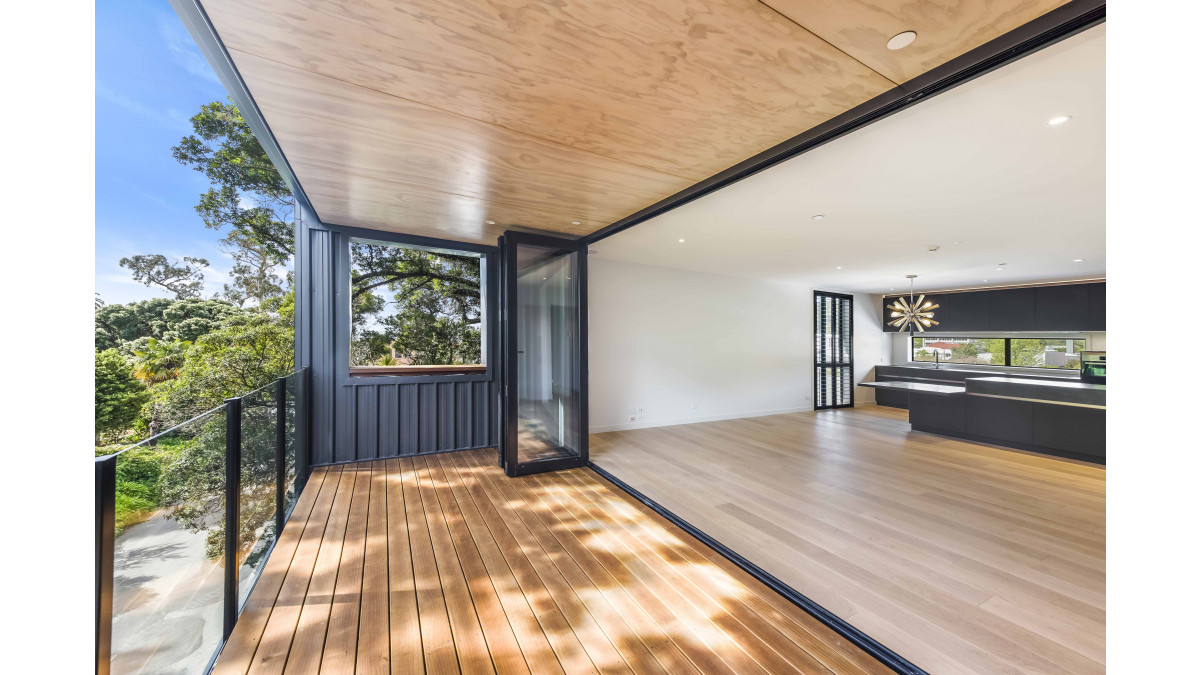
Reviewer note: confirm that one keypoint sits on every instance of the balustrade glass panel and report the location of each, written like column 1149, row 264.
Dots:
column 168, row 567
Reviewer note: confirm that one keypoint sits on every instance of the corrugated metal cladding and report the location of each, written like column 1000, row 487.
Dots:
column 391, row 420
column 372, row 417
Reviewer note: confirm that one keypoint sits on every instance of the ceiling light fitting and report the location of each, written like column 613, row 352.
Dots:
column 901, row 40
column 1061, row 119
column 909, row 314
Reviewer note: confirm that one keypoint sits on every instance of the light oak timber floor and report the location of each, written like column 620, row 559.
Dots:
column 959, row 556
column 440, row 563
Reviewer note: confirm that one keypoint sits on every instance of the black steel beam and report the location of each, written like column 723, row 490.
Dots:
column 233, row 491
column 106, row 521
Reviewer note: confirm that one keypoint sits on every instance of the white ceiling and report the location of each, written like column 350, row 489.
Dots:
column 978, row 164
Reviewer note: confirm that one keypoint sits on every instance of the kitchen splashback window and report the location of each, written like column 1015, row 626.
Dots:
column 1053, row 353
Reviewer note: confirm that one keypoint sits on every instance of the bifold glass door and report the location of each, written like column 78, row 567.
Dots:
column 544, row 331
column 833, row 350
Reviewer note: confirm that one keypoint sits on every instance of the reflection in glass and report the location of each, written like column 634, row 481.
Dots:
column 257, row 500
column 547, row 316
column 168, row 568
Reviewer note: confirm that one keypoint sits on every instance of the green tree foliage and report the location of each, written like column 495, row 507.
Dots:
column 245, row 352
column 160, row 360
column 185, row 279
column 119, row 395
column 433, row 315
column 247, row 195
column 160, row 318
column 253, row 271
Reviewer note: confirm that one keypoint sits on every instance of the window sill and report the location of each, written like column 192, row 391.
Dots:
column 373, row 371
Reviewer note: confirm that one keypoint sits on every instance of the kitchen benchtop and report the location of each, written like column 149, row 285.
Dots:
column 1046, row 390
column 924, row 388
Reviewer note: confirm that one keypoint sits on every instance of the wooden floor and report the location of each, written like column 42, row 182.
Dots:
column 961, row 557
column 442, row 564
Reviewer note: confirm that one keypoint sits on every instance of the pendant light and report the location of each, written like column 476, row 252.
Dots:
column 909, row 314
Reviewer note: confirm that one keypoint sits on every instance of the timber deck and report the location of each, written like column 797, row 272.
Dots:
column 440, row 563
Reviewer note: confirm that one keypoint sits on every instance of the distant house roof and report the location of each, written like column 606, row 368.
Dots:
column 942, row 345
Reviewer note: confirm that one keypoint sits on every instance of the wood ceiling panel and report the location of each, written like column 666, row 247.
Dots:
column 945, row 28
column 432, row 116
column 367, row 202
column 333, row 128
column 685, row 87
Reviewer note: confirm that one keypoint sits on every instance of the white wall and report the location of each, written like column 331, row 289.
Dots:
column 662, row 340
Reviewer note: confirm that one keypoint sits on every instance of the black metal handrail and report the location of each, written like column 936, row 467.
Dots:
column 106, row 498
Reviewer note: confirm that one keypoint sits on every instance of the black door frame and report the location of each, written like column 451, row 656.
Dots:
column 817, row 365
column 507, row 449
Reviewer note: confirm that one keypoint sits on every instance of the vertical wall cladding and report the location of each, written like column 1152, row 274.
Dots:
column 392, row 420
column 357, row 418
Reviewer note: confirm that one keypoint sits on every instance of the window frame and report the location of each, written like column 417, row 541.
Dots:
column 381, row 375
column 912, row 350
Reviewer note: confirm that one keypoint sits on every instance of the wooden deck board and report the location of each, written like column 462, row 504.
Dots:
column 441, row 564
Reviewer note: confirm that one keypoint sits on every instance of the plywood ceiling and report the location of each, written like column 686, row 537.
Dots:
column 433, row 117
column 977, row 172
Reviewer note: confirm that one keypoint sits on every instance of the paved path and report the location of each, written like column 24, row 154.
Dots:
column 166, row 600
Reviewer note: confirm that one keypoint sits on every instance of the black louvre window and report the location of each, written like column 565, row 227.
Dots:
column 833, row 350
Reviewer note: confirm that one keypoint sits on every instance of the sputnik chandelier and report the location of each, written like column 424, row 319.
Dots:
column 907, row 314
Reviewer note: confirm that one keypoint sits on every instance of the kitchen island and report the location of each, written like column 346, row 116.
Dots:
column 1059, row 416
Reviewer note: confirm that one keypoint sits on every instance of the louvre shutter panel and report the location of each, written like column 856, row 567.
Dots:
column 833, row 350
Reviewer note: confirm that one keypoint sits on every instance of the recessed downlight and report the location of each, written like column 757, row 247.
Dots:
column 490, row 222
column 681, row 241
column 1079, row 260
column 839, row 267
column 985, row 281
column 902, row 40
column 576, row 222
column 1061, row 119
column 819, row 216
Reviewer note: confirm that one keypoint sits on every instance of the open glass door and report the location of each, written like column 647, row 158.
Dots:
column 544, row 346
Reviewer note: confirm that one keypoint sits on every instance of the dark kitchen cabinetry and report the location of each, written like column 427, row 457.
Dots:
column 1096, row 318
column 1063, row 307
column 1076, row 430
column 971, row 310
column 1012, row 310
column 1071, row 307
column 1001, row 419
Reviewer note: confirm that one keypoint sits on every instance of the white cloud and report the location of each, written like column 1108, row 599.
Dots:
column 184, row 50
column 172, row 119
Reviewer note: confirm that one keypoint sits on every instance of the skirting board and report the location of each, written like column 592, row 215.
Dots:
column 649, row 424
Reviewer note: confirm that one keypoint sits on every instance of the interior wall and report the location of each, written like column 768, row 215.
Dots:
column 669, row 346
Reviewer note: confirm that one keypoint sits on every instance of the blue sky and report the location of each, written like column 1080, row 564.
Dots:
column 150, row 79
